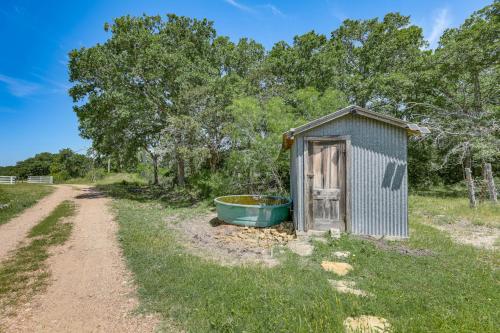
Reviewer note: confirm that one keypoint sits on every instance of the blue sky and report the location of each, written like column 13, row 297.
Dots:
column 35, row 110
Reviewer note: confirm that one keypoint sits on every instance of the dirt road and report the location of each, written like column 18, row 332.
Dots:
column 15, row 230
column 91, row 289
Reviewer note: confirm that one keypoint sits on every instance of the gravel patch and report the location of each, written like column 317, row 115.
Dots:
column 232, row 245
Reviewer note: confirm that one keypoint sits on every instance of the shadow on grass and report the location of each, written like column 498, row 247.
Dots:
column 171, row 197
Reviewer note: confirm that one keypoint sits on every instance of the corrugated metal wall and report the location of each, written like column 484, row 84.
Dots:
column 378, row 175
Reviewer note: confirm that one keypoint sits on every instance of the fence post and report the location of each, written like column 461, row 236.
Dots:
column 488, row 176
column 470, row 186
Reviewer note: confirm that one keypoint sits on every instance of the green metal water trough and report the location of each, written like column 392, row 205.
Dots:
column 252, row 210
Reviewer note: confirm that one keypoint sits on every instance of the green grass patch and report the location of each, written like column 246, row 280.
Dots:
column 25, row 272
column 454, row 289
column 449, row 210
column 18, row 197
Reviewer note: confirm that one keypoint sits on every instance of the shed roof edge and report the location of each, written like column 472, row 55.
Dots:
column 351, row 109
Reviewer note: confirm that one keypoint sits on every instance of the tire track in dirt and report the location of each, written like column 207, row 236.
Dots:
column 15, row 231
column 91, row 289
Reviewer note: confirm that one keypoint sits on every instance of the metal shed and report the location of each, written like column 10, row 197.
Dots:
column 349, row 171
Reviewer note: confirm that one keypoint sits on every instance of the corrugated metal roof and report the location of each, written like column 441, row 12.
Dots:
column 353, row 109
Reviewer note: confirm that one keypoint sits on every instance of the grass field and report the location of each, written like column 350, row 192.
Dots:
column 453, row 288
column 25, row 272
column 449, row 204
column 452, row 210
column 20, row 196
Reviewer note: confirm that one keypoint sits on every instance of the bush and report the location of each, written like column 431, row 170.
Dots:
column 61, row 176
column 213, row 184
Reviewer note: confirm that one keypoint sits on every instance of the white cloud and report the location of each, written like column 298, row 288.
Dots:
column 51, row 85
column 255, row 9
column 18, row 87
column 441, row 22
column 240, row 6
column 274, row 10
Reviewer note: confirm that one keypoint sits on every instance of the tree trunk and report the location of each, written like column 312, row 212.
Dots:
column 93, row 171
column 155, row 169
column 470, row 186
column 214, row 160
column 181, row 181
column 467, row 161
column 109, row 165
column 192, row 166
column 490, row 182
column 477, row 93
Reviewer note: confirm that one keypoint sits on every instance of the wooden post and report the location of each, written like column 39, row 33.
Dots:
column 488, row 177
column 470, row 186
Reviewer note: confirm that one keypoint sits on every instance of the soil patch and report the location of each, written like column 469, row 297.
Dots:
column 467, row 233
column 301, row 247
column 398, row 247
column 208, row 237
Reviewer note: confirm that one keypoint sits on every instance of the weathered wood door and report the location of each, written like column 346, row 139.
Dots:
column 326, row 184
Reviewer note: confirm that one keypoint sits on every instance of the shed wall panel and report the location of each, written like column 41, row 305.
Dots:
column 293, row 182
column 378, row 175
column 299, row 145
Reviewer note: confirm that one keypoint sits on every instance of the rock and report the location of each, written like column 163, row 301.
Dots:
column 300, row 233
column 3, row 206
column 348, row 287
column 342, row 254
column 320, row 239
column 335, row 233
column 271, row 262
column 301, row 248
column 339, row 268
column 366, row 324
column 316, row 233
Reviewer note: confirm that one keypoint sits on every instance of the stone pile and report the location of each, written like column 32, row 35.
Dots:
column 264, row 237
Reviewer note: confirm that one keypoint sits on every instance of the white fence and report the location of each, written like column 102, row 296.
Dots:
column 40, row 179
column 7, row 179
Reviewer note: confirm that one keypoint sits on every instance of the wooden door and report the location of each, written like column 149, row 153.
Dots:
column 326, row 181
